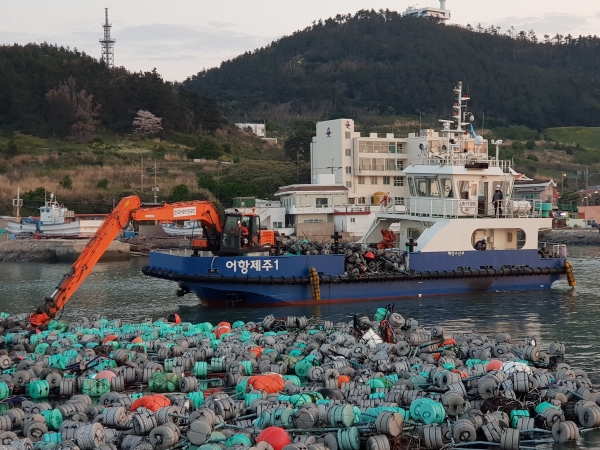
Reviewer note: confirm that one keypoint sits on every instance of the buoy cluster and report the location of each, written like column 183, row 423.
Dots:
column 288, row 383
column 360, row 258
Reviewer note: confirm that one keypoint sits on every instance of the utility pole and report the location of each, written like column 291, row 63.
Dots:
column 586, row 175
column 155, row 188
column 18, row 202
column 142, row 174
column 332, row 167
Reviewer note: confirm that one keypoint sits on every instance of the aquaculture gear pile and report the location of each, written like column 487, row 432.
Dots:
column 284, row 384
column 360, row 258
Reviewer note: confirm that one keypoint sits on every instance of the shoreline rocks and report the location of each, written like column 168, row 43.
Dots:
column 589, row 236
column 55, row 250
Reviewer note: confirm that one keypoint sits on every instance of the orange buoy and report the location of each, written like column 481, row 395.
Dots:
column 174, row 318
column 223, row 328
column 271, row 383
column 152, row 402
column 257, row 351
column 109, row 338
column 137, row 340
column 106, row 374
column 436, row 356
column 448, row 341
column 274, row 436
column 343, row 379
column 494, row 364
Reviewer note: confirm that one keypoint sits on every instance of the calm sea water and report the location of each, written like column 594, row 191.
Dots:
column 119, row 289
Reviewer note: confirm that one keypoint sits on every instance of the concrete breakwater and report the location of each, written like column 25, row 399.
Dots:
column 55, row 250
column 571, row 236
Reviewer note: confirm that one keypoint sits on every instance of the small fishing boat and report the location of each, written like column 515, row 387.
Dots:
column 55, row 220
column 190, row 228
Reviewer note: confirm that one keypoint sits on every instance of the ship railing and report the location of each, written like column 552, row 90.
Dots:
column 462, row 208
column 445, row 160
column 552, row 250
column 175, row 251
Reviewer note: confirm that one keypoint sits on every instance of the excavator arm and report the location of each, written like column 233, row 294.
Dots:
column 129, row 208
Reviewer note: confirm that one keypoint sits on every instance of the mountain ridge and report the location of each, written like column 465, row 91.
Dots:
column 378, row 62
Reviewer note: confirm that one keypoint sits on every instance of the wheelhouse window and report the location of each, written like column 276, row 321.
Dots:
column 321, row 202
column 427, row 187
column 447, row 190
column 411, row 187
column 463, row 189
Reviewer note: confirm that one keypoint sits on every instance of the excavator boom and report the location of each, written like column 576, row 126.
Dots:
column 129, row 208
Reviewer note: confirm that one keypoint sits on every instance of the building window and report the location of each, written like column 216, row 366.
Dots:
column 352, row 219
column 399, row 164
column 277, row 224
column 348, row 152
column 321, row 202
column 399, row 147
column 362, row 200
column 361, row 180
column 386, row 180
column 398, row 181
column 348, row 184
column 347, row 135
column 392, row 147
column 348, row 169
column 374, row 180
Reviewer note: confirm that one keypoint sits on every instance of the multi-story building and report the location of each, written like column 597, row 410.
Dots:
column 441, row 14
column 257, row 128
column 371, row 165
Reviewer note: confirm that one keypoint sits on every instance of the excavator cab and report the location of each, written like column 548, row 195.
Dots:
column 242, row 234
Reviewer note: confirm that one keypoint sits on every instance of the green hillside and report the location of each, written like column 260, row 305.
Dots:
column 379, row 63
column 582, row 136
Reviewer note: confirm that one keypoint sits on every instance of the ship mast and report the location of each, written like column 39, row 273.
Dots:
column 18, row 202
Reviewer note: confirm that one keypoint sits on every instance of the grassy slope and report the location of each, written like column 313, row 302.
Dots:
column 588, row 137
column 45, row 162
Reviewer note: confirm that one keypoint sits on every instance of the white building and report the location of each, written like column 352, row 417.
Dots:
column 441, row 14
column 372, row 165
column 257, row 128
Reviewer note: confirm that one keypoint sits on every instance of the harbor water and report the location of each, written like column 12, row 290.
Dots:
column 119, row 289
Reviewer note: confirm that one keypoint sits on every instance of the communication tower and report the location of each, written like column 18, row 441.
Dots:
column 107, row 43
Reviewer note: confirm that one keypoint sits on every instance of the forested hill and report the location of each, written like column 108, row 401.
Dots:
column 33, row 102
column 381, row 63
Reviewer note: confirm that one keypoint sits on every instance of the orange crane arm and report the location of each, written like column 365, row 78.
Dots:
column 129, row 208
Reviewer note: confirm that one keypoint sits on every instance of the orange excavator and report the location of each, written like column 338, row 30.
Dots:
column 238, row 234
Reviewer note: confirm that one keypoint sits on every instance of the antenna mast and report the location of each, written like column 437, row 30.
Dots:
column 107, row 43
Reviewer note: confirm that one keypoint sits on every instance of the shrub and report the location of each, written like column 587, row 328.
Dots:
column 518, row 145
column 66, row 182
column 102, row 184
column 530, row 144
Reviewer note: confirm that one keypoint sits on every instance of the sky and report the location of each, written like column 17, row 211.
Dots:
column 181, row 37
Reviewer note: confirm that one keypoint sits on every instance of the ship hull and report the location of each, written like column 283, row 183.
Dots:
column 79, row 228
column 220, row 281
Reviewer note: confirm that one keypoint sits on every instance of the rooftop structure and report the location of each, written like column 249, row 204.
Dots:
column 441, row 14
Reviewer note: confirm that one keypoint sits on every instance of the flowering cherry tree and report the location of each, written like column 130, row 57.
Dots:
column 146, row 124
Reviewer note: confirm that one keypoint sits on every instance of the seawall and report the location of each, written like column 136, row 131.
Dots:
column 55, row 250
column 586, row 236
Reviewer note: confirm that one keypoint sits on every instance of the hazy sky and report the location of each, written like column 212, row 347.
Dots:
column 180, row 37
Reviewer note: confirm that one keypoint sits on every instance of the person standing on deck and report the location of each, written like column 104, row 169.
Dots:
column 497, row 200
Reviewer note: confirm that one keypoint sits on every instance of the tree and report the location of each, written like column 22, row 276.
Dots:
column 180, row 193
column 530, row 144
column 72, row 112
column 66, row 182
column 297, row 146
column 146, row 124
column 11, row 149
column 102, row 184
